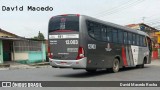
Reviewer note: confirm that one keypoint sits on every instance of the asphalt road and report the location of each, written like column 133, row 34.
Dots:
column 149, row 73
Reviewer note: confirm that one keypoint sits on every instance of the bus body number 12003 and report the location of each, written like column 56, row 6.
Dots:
column 71, row 41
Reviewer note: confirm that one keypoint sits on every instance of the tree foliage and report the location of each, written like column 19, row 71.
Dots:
column 40, row 36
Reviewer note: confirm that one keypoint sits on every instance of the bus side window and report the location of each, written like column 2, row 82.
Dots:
column 141, row 41
column 97, row 32
column 125, row 37
column 104, row 33
column 120, row 36
column 137, row 38
column 134, row 39
column 114, row 31
column 129, row 38
column 90, row 29
column 144, row 42
column 109, row 34
column 149, row 44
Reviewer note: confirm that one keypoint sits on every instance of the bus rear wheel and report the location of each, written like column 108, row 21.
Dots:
column 115, row 67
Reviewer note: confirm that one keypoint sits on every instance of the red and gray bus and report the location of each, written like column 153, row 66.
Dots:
column 82, row 42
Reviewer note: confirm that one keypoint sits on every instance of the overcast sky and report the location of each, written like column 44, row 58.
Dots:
column 27, row 24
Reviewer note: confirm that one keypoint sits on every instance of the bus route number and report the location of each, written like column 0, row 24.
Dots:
column 71, row 42
column 91, row 46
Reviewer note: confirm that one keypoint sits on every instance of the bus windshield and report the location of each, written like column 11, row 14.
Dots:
column 64, row 23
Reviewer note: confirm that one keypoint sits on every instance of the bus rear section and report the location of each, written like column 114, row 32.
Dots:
column 65, row 50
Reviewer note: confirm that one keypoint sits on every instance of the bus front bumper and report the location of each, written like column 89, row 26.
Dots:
column 77, row 64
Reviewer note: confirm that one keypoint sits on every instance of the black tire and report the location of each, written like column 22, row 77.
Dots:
column 115, row 67
column 91, row 70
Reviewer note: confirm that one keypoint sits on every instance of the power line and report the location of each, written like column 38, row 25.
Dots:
column 120, row 8
column 111, row 9
column 153, row 20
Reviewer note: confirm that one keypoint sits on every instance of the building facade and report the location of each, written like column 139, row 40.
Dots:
column 19, row 49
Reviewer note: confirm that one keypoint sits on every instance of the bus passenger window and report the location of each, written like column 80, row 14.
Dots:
column 114, row 35
column 97, row 33
column 134, row 39
column 109, row 35
column 129, row 38
column 149, row 44
column 90, row 29
column 120, row 36
column 141, row 41
column 137, row 38
column 125, row 37
column 104, row 33
column 145, row 41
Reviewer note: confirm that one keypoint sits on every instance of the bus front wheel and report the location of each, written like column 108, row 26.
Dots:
column 115, row 67
column 141, row 66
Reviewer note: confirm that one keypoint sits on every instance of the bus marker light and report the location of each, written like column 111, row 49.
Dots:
column 78, row 15
column 64, row 15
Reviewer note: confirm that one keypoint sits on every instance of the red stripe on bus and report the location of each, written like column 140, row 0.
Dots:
column 124, row 56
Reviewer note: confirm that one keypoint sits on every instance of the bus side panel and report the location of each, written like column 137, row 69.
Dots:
column 139, row 53
column 97, row 55
column 129, row 56
column 144, row 52
column 103, row 55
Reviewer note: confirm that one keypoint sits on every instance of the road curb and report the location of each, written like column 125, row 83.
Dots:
column 23, row 66
column 39, row 64
column 4, row 65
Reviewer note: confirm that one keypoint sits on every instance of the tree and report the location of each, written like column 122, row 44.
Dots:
column 40, row 36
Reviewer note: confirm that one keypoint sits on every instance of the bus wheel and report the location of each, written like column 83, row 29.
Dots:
column 115, row 67
column 91, row 70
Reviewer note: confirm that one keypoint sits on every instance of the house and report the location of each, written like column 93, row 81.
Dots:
column 20, row 49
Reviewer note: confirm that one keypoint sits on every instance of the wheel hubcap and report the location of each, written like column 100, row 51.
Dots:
column 116, row 65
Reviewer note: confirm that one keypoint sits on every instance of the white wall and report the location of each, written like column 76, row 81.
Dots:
column 21, row 56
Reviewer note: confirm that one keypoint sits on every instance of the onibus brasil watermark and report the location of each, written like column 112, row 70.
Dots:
column 21, row 84
column 80, row 84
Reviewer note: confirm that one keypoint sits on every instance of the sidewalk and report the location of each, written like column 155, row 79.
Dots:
column 15, row 65
column 155, row 62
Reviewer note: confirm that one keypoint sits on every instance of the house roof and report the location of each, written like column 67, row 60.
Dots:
column 11, row 38
column 132, row 25
column 6, row 32
column 154, row 29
